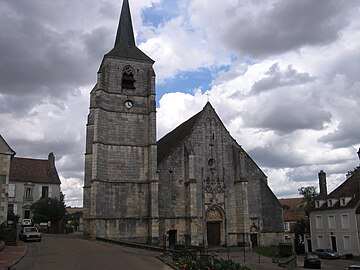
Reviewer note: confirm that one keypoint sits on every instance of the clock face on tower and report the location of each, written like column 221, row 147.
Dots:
column 128, row 104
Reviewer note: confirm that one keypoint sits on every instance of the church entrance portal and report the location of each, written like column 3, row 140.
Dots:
column 214, row 221
column 213, row 233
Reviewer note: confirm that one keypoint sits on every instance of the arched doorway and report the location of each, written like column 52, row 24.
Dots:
column 214, row 223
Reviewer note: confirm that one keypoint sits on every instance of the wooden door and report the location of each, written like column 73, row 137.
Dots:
column 254, row 239
column 213, row 233
column 172, row 238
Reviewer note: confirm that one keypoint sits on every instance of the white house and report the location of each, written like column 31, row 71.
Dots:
column 335, row 220
column 31, row 179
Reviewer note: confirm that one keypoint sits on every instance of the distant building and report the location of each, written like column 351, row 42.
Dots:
column 293, row 211
column 6, row 154
column 30, row 180
column 195, row 186
column 74, row 217
column 334, row 222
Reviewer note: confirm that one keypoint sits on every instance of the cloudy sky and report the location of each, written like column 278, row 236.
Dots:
column 284, row 76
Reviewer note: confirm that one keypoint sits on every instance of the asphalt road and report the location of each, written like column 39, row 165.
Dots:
column 70, row 252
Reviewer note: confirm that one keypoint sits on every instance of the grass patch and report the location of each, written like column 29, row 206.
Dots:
column 271, row 251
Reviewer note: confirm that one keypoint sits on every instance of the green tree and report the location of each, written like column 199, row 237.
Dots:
column 49, row 209
column 302, row 226
column 308, row 194
column 300, row 229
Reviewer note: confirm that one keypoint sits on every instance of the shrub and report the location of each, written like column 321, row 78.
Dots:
column 190, row 260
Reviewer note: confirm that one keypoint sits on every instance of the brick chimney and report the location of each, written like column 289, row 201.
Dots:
column 322, row 184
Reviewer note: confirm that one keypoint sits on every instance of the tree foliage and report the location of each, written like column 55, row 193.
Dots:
column 308, row 193
column 48, row 209
column 301, row 228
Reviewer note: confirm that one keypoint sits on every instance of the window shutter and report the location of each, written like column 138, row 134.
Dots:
column 15, row 209
column 50, row 191
column 11, row 191
column 40, row 192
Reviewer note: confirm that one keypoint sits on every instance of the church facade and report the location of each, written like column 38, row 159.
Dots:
column 194, row 186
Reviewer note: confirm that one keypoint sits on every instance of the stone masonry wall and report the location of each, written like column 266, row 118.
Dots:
column 120, row 162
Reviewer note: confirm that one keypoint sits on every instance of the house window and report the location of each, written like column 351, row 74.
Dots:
column 12, row 208
column 28, row 193
column 286, row 226
column 347, row 242
column 331, row 221
column 320, row 240
column 317, row 204
column 11, row 191
column 45, row 192
column 330, row 204
column 345, row 222
column 319, row 222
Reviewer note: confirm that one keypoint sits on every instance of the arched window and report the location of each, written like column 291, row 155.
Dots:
column 128, row 78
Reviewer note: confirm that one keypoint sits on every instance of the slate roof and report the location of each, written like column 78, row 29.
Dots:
column 125, row 42
column 34, row 170
column 349, row 188
column 170, row 141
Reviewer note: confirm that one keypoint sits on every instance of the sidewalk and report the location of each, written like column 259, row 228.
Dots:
column 11, row 255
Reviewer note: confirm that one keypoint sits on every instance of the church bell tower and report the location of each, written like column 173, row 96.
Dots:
column 121, row 183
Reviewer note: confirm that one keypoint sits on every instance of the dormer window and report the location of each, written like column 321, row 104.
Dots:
column 330, row 203
column 317, row 204
column 128, row 78
column 342, row 202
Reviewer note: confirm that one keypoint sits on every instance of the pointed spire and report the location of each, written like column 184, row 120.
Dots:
column 125, row 32
column 125, row 46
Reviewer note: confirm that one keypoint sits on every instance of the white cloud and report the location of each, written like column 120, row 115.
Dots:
column 290, row 95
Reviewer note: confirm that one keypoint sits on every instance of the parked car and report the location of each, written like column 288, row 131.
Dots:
column 326, row 253
column 26, row 222
column 30, row 234
column 312, row 261
column 353, row 267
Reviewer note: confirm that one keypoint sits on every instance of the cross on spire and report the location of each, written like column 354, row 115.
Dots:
column 208, row 96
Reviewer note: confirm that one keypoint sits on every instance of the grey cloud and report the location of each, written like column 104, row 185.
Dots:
column 36, row 149
column 289, row 25
column 346, row 135
column 96, row 49
column 39, row 61
column 347, row 64
column 272, row 157
column 285, row 115
column 277, row 78
column 310, row 172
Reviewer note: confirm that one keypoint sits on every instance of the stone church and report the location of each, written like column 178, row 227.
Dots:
column 194, row 186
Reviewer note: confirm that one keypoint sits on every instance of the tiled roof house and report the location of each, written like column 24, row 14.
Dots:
column 31, row 179
column 293, row 211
